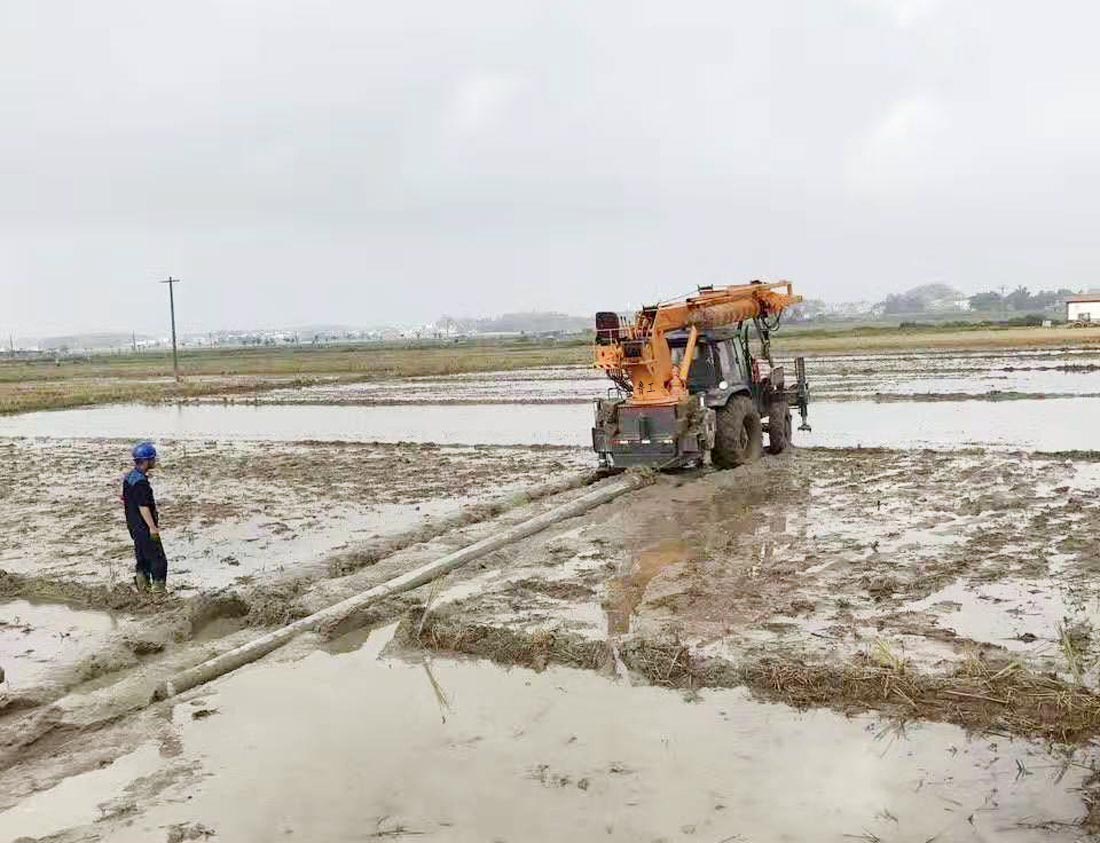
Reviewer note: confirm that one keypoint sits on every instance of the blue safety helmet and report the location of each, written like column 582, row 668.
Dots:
column 144, row 451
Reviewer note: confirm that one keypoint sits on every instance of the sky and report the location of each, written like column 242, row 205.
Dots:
column 368, row 163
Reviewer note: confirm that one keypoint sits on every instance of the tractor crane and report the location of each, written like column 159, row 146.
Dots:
column 695, row 380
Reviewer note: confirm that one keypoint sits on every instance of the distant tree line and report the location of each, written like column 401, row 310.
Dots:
column 1021, row 300
column 922, row 299
column 932, row 298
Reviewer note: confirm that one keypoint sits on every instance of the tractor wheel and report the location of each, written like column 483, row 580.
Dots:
column 739, row 434
column 779, row 427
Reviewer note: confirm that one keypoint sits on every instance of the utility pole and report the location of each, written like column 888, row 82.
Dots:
column 172, row 282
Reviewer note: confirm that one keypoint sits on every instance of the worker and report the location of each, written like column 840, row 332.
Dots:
column 141, row 519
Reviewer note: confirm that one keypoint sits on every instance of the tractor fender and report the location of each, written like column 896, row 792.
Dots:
column 718, row 398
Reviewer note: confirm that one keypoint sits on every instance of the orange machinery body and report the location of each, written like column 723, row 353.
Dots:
column 639, row 353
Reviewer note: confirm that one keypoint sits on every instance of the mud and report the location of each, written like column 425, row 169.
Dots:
column 919, row 611
column 850, row 569
column 69, row 614
column 236, row 514
column 552, row 756
column 907, row 375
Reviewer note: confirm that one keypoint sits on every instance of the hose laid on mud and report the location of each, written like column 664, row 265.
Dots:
column 258, row 647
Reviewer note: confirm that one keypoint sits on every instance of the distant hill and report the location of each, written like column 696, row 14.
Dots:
column 535, row 322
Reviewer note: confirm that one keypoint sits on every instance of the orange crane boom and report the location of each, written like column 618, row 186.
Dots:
column 638, row 353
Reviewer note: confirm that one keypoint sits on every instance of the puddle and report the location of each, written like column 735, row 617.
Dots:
column 466, row 751
column 1019, row 615
column 36, row 637
column 625, row 593
column 474, row 424
column 1025, row 424
column 76, row 800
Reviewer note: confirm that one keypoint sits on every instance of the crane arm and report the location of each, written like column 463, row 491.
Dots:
column 640, row 353
column 725, row 306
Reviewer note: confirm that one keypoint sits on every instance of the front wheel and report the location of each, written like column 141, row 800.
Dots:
column 738, row 435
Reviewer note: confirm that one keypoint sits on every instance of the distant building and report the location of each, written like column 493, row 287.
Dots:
column 1083, row 308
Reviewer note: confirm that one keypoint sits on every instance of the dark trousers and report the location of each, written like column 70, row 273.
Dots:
column 151, row 560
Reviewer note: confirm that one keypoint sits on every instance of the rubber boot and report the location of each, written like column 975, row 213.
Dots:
column 141, row 581
column 159, row 587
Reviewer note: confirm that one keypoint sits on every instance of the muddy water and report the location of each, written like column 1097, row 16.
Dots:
column 35, row 637
column 1051, row 372
column 466, row 751
column 1044, row 372
column 558, row 384
column 1025, row 424
column 478, row 424
column 1021, row 615
column 76, row 801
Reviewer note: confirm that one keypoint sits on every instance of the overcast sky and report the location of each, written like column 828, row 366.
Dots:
column 368, row 162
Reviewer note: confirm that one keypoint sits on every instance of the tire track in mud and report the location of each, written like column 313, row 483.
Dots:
column 799, row 579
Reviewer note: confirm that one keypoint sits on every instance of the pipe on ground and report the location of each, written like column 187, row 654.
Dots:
column 258, row 647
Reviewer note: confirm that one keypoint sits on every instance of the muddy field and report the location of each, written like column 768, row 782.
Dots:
column 900, row 375
column 895, row 642
column 236, row 517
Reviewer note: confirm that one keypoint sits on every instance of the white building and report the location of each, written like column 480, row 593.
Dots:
column 1083, row 308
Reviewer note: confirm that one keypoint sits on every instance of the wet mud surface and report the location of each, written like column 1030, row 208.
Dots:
column 234, row 513
column 949, row 586
column 889, row 633
column 906, row 375
column 255, row 519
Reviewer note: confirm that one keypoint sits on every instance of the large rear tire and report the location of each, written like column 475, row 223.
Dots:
column 738, row 436
column 779, row 427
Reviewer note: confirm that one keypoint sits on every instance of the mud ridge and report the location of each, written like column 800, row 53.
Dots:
column 370, row 553
column 118, row 597
column 988, row 696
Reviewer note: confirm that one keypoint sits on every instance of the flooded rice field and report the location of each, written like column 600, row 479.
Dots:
column 936, row 400
column 1032, row 424
column 889, row 633
column 837, row 377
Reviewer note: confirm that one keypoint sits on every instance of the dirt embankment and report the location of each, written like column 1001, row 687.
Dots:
column 957, row 587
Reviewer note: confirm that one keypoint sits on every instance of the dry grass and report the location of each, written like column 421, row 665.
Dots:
column 985, row 696
column 73, row 382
